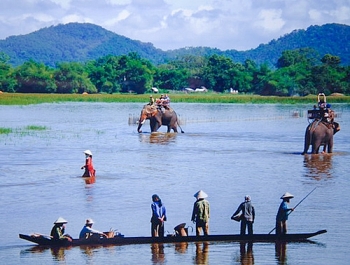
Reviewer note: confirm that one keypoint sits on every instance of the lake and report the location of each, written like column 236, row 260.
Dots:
column 227, row 150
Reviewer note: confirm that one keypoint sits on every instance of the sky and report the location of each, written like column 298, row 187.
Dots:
column 173, row 24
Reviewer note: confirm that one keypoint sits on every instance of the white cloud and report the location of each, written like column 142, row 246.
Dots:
column 270, row 20
column 170, row 24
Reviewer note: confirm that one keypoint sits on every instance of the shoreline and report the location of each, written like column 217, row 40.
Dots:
column 27, row 99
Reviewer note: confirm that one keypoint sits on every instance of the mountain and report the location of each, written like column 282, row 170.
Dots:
column 77, row 42
column 81, row 42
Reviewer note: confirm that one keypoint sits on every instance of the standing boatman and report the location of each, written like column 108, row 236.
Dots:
column 201, row 213
column 282, row 214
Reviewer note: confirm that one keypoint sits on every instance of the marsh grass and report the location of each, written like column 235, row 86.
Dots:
column 5, row 130
column 35, row 128
column 28, row 130
column 27, row 99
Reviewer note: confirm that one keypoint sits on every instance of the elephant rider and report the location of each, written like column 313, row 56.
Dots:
column 327, row 115
column 151, row 100
column 163, row 102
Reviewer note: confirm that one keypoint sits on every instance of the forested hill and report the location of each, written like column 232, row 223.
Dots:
column 73, row 42
column 82, row 42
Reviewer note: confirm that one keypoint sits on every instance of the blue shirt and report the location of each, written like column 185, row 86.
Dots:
column 158, row 211
column 283, row 210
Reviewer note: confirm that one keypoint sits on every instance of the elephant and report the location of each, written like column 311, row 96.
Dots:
column 159, row 117
column 318, row 133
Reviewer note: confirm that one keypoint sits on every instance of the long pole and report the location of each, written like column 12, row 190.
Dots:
column 296, row 206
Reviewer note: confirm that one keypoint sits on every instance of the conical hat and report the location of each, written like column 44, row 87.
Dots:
column 60, row 220
column 88, row 152
column 287, row 195
column 200, row 195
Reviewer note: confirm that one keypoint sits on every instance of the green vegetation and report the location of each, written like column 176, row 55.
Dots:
column 89, row 59
column 36, row 128
column 26, row 99
column 5, row 130
column 298, row 72
column 83, row 42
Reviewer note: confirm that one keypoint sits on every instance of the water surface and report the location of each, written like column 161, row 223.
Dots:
column 228, row 150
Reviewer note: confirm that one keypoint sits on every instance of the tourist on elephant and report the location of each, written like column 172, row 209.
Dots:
column 158, row 216
column 282, row 214
column 151, row 100
column 89, row 168
column 201, row 213
column 247, row 211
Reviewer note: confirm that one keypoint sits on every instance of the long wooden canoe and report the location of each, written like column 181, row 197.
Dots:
column 121, row 240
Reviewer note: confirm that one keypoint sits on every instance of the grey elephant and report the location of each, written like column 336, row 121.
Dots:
column 319, row 133
column 158, row 117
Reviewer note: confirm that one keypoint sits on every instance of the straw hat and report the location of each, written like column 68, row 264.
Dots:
column 89, row 221
column 88, row 152
column 60, row 220
column 200, row 195
column 287, row 195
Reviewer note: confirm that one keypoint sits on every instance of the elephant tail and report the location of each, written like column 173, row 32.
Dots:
column 179, row 126
column 177, row 121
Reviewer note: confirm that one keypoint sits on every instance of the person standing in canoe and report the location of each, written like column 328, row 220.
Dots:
column 201, row 213
column 57, row 231
column 89, row 168
column 247, row 217
column 282, row 214
column 158, row 217
column 88, row 232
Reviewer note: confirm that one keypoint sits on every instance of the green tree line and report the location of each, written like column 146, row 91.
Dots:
column 297, row 72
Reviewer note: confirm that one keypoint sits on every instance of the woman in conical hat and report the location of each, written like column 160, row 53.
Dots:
column 282, row 214
column 57, row 231
column 89, row 168
column 201, row 213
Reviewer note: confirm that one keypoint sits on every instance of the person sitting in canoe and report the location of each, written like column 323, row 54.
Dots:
column 282, row 214
column 89, row 168
column 57, row 231
column 88, row 232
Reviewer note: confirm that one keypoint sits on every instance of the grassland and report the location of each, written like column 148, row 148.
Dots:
column 26, row 99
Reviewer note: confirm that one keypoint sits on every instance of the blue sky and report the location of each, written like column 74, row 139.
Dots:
column 171, row 24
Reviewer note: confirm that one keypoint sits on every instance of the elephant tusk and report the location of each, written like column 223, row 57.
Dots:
column 142, row 122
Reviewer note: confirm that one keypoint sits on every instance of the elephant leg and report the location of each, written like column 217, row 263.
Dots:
column 174, row 127
column 330, row 145
column 316, row 146
column 306, row 142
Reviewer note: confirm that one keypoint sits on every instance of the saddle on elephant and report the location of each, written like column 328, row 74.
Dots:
column 322, row 112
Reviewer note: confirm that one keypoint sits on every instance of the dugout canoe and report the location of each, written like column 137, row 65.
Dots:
column 43, row 240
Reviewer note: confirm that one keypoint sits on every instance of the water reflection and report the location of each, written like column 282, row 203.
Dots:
column 280, row 252
column 181, row 247
column 318, row 166
column 158, row 138
column 246, row 251
column 202, row 253
column 58, row 253
column 90, row 180
column 158, row 256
